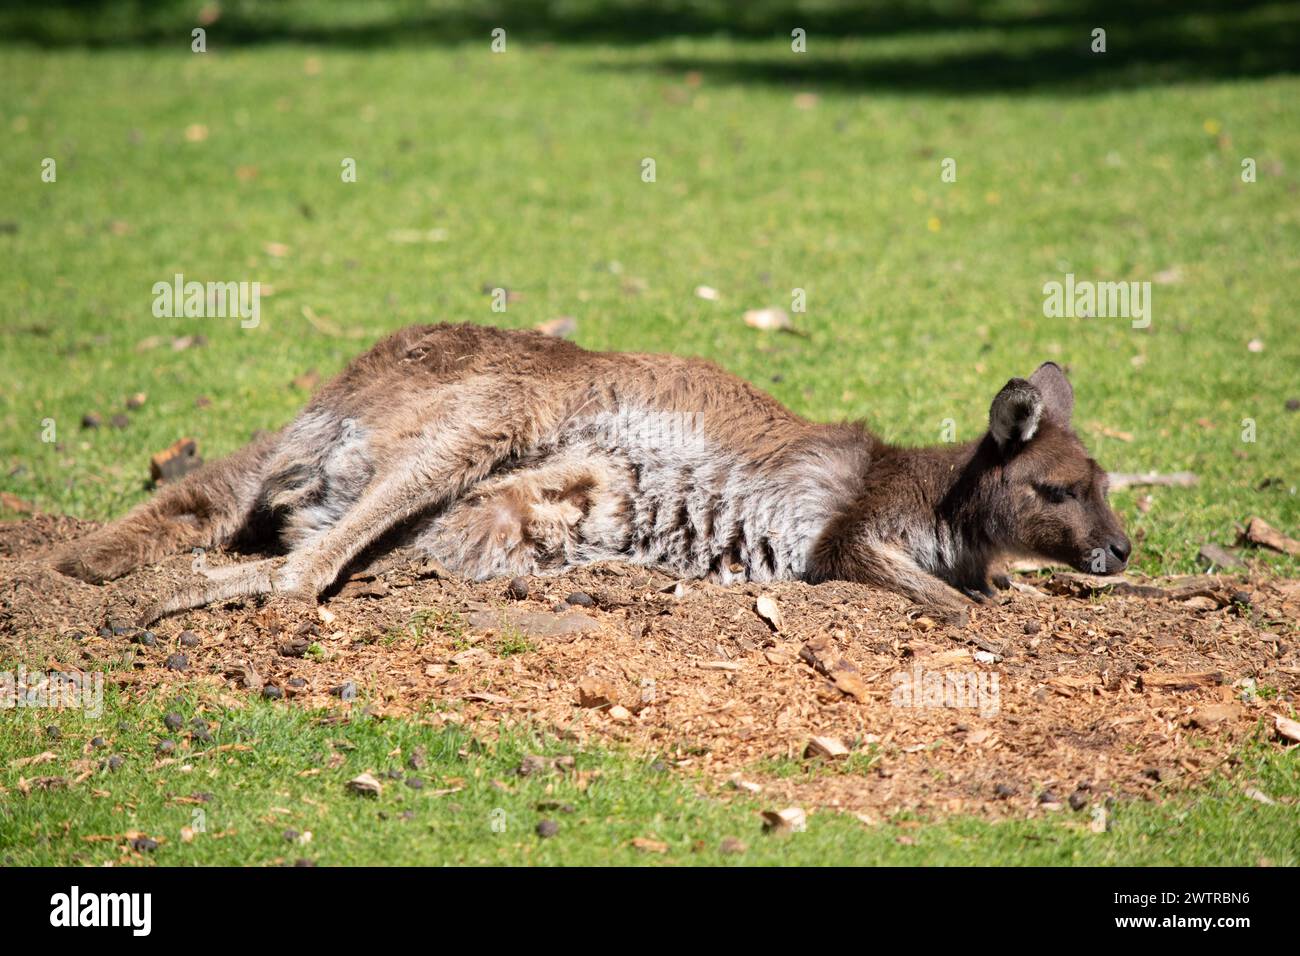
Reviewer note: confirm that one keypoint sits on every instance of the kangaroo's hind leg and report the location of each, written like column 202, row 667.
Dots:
column 204, row 509
column 313, row 566
column 250, row 579
column 451, row 455
column 457, row 448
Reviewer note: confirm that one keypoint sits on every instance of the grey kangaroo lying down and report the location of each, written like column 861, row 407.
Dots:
column 502, row 452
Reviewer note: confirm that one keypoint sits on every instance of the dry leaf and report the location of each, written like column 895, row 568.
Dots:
column 768, row 610
column 366, row 785
column 410, row 236
column 769, row 320
column 1110, row 432
column 1190, row 681
column 11, row 502
column 1219, row 557
column 472, row 655
column 40, row 758
column 789, row 820
column 560, row 327
column 1286, row 727
column 646, row 845
column 1260, row 533
column 828, row 747
column 484, row 697
column 596, row 692
column 307, row 381
column 175, row 461
column 819, row 654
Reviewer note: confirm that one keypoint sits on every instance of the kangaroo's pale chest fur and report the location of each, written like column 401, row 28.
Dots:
column 646, row 486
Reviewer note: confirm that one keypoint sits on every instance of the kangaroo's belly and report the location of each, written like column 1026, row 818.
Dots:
column 649, row 489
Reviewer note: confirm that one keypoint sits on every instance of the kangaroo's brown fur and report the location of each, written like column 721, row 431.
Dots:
column 504, row 452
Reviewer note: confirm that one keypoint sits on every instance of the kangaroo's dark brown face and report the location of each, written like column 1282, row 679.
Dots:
column 1058, row 507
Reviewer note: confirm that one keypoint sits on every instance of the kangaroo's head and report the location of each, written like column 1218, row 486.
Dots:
column 1057, row 507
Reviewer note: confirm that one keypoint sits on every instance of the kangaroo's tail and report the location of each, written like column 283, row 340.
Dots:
column 204, row 509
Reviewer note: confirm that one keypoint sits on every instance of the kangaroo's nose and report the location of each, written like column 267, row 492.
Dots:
column 1121, row 549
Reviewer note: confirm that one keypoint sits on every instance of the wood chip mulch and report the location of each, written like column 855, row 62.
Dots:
column 1066, row 692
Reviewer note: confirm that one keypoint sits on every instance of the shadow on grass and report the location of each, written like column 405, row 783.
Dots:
column 1022, row 45
column 1060, row 59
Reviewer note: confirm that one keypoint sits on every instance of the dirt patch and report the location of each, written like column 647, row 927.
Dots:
column 1045, row 701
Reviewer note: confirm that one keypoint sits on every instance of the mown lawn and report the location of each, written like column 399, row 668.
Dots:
column 523, row 170
column 774, row 171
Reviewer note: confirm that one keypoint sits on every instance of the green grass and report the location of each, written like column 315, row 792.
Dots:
column 523, row 170
column 857, row 763
column 923, row 297
column 292, row 777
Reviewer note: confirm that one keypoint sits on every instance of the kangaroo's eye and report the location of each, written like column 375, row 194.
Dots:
column 1056, row 494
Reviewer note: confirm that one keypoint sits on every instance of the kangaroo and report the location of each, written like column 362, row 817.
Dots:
column 503, row 452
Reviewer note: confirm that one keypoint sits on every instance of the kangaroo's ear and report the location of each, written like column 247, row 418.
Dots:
column 1058, row 396
column 1015, row 413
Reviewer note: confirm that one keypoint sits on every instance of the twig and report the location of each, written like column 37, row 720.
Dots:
column 1134, row 479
